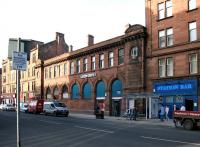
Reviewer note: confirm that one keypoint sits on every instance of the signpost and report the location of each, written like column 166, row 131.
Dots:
column 19, row 63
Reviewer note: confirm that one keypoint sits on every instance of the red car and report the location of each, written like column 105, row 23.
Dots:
column 35, row 106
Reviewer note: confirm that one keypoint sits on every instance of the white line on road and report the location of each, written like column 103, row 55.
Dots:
column 106, row 131
column 168, row 140
column 51, row 122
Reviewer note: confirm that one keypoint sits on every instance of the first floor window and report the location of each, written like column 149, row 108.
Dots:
column 161, row 67
column 93, row 63
column 170, row 66
column 161, row 35
column 101, row 61
column 111, row 59
column 193, row 63
column 121, row 56
column 169, row 37
column 85, row 64
column 72, row 68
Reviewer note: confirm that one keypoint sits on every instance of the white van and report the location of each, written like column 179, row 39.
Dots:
column 55, row 108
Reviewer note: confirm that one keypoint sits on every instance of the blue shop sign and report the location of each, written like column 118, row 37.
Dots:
column 177, row 87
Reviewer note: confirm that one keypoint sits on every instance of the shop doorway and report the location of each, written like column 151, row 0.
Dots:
column 116, row 107
column 189, row 105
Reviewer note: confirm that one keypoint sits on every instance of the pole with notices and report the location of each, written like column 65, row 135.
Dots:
column 18, row 98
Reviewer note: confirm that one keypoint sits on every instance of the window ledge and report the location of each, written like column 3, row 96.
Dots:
column 164, row 18
column 191, row 10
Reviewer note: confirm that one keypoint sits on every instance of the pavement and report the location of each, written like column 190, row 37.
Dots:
column 165, row 123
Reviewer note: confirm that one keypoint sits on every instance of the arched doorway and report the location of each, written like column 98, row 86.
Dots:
column 56, row 93
column 75, row 91
column 87, row 91
column 116, row 97
column 65, row 94
column 100, row 94
column 48, row 93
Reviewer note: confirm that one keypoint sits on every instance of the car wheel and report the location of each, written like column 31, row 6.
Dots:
column 188, row 124
column 55, row 113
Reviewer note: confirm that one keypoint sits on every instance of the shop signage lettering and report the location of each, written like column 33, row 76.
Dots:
column 89, row 75
column 174, row 87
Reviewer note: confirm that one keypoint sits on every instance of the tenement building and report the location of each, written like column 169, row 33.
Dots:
column 31, row 82
column 99, row 73
column 9, row 75
column 173, row 51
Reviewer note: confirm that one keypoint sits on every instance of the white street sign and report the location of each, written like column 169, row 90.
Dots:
column 19, row 61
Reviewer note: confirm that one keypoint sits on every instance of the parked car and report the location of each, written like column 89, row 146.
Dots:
column 2, row 106
column 35, row 106
column 55, row 108
column 9, row 107
column 24, row 107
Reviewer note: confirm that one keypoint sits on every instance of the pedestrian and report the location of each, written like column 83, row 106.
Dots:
column 102, row 108
column 166, row 112
column 182, row 108
column 162, row 112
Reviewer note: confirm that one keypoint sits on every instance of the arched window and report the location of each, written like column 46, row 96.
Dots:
column 117, row 88
column 75, row 91
column 48, row 93
column 65, row 94
column 134, row 52
column 87, row 91
column 56, row 92
column 100, row 90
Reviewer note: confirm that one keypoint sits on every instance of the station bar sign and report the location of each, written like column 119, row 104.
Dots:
column 19, row 61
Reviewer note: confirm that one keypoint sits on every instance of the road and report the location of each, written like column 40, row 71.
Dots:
column 50, row 131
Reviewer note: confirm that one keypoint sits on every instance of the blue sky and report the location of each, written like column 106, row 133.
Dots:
column 40, row 19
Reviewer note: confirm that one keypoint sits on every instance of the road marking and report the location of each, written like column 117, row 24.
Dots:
column 51, row 122
column 168, row 140
column 106, row 131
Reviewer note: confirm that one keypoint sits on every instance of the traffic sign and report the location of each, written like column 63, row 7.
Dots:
column 19, row 61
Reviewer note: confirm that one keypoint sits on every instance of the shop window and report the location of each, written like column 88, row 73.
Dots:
column 48, row 93
column 65, row 94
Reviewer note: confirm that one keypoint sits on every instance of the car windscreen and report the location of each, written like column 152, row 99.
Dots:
column 59, row 104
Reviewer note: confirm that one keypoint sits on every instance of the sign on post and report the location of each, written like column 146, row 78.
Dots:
column 19, row 61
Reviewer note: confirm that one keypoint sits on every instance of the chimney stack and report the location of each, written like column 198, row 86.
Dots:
column 59, row 37
column 90, row 40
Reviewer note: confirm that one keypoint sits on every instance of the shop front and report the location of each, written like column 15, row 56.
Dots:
column 177, row 93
